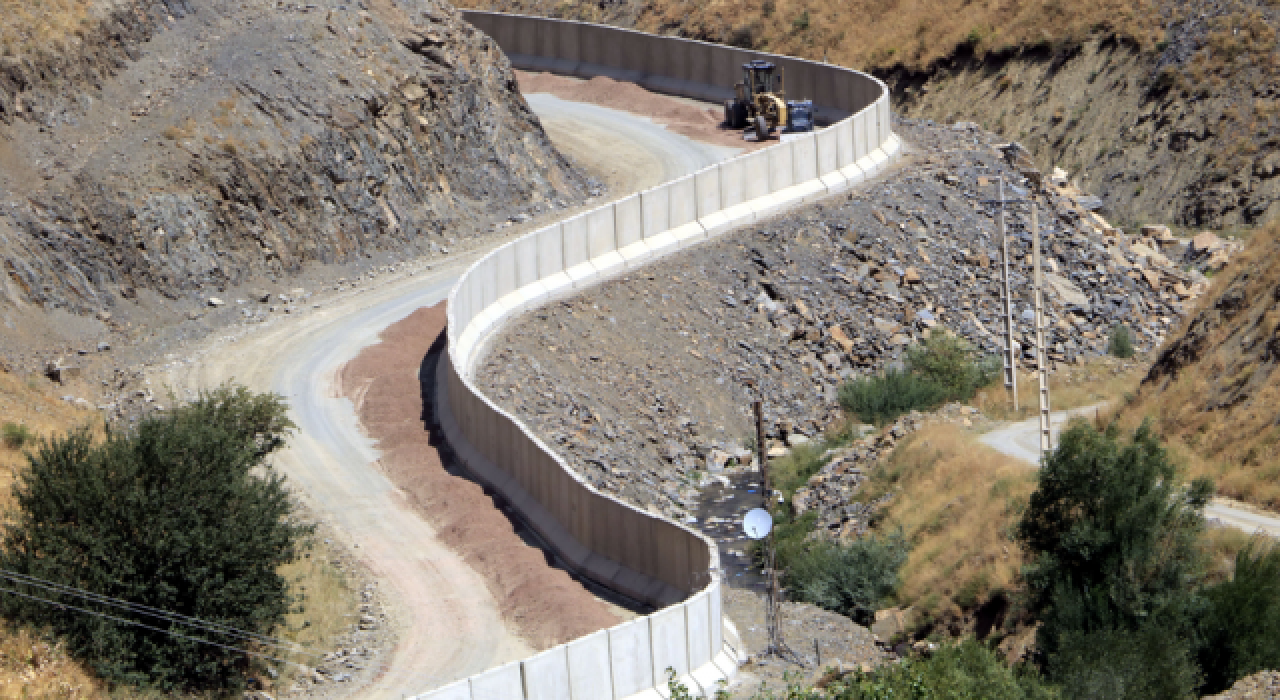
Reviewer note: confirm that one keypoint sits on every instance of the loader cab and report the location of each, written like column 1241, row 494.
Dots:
column 758, row 78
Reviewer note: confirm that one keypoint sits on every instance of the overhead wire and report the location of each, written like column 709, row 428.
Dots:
column 206, row 625
column 161, row 630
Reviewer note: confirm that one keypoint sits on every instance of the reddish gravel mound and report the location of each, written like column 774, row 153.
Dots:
column 545, row 604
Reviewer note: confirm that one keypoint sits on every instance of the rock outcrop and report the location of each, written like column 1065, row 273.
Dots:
column 191, row 147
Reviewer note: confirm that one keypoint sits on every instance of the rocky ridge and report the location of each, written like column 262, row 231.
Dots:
column 640, row 381
column 204, row 147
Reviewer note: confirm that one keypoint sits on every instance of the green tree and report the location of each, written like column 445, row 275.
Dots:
column 1153, row 662
column 181, row 513
column 954, row 364
column 1111, row 536
column 1240, row 629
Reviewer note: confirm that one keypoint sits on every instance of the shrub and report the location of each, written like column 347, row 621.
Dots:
column 954, row 364
column 853, row 579
column 1241, row 627
column 1121, row 342
column 1154, row 662
column 883, row 398
column 15, row 436
column 181, row 513
column 1111, row 536
column 954, row 672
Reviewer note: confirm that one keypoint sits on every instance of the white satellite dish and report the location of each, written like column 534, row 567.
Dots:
column 757, row 523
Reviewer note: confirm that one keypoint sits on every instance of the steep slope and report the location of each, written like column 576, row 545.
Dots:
column 1214, row 388
column 190, row 147
column 1166, row 109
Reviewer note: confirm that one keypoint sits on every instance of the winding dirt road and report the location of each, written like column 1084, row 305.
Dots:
column 451, row 626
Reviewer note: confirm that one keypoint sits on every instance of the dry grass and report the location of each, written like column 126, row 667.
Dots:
column 34, row 26
column 326, row 611
column 1218, row 412
column 1099, row 380
column 955, row 500
column 873, row 33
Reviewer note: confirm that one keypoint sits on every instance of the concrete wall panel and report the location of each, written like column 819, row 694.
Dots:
column 550, row 250
column 655, row 208
column 706, row 185
column 501, row 683
column 804, row 158
column 781, row 167
column 590, row 672
column 628, row 221
column 733, row 182
column 546, row 676
column 826, row 148
column 600, row 231
column 755, row 174
column 505, row 270
column 670, row 642
column 526, row 260
column 631, row 658
column 698, row 628
column 683, row 202
column 844, row 141
column 575, row 241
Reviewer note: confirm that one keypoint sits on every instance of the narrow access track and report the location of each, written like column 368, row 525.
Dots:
column 1022, row 440
column 450, row 625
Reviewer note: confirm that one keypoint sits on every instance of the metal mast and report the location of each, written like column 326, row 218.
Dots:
column 1042, row 358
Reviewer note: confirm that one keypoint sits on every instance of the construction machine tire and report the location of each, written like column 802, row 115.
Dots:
column 731, row 114
column 762, row 128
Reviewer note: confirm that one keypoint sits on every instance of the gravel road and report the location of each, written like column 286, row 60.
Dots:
column 1022, row 440
column 450, row 625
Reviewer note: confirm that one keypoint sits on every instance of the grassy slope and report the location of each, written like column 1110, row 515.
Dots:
column 27, row 24
column 955, row 500
column 1213, row 391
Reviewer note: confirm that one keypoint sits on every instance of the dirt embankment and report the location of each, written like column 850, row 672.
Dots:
column 187, row 150
column 543, row 602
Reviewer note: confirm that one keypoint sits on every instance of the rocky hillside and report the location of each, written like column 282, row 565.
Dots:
column 797, row 304
column 1165, row 108
column 1214, row 387
column 185, row 148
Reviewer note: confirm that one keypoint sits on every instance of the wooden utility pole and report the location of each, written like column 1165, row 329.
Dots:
column 1042, row 353
column 1010, row 358
column 762, row 452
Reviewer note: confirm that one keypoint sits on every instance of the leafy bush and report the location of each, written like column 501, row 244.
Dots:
column 954, row 364
column 181, row 513
column 954, row 672
column 1153, row 662
column 1240, row 630
column 15, row 436
column 1111, row 535
column 883, row 398
column 943, row 368
column 853, row 579
column 1120, row 343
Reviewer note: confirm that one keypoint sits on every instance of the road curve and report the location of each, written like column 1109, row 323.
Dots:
column 1022, row 440
column 450, row 626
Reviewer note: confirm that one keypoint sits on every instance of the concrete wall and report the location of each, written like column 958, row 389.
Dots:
column 635, row 553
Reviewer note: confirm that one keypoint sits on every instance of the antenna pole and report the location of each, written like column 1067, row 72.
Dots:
column 1042, row 353
column 1010, row 359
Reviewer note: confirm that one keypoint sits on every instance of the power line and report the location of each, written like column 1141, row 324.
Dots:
column 149, row 627
column 207, row 625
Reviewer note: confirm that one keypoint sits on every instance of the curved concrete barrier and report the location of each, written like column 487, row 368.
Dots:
column 637, row 554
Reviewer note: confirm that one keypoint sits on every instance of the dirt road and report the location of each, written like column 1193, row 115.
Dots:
column 1022, row 440
column 451, row 626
